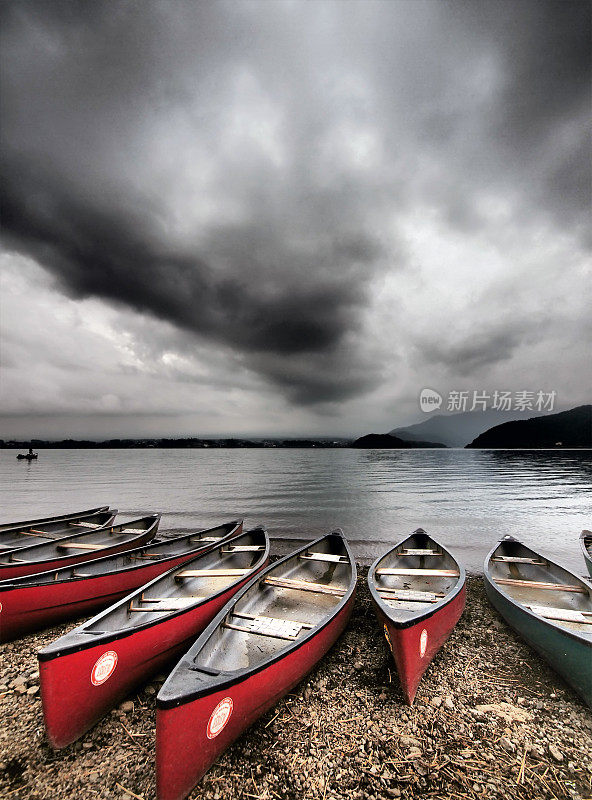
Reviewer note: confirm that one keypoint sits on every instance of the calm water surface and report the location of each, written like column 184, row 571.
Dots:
column 466, row 498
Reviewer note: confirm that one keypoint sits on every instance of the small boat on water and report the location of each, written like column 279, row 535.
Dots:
column 550, row 607
column 36, row 531
column 30, row 456
column 43, row 599
column 418, row 592
column 586, row 543
column 76, row 549
column 260, row 645
column 89, row 670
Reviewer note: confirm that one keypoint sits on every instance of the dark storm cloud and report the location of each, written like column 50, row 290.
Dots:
column 118, row 122
column 543, row 48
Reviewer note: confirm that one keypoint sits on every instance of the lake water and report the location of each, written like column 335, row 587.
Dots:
column 467, row 499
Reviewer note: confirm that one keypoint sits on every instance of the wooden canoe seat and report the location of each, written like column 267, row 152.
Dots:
column 211, row 573
column 333, row 558
column 437, row 573
column 418, row 552
column 564, row 587
column 410, row 595
column 518, row 560
column 35, row 534
column 563, row 614
column 129, row 530
column 19, row 560
column 85, row 524
column 198, row 538
column 244, row 548
column 268, row 626
column 79, row 574
column 74, row 546
column 165, row 603
column 303, row 586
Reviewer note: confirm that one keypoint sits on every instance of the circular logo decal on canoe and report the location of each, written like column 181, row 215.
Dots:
column 387, row 637
column 423, row 643
column 219, row 718
column 103, row 668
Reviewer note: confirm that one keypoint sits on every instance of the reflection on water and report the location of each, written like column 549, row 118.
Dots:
column 467, row 498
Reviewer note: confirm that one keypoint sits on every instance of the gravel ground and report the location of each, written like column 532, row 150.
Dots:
column 490, row 720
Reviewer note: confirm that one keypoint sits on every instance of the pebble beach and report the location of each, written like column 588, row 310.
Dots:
column 490, row 719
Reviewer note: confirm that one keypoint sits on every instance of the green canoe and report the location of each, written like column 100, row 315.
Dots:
column 586, row 542
column 550, row 607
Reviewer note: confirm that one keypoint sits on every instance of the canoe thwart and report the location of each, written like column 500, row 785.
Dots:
column 267, row 626
column 442, row 573
column 243, row 548
column 563, row 614
column 410, row 595
column 198, row 538
column 518, row 560
column 166, row 604
column 564, row 587
column 418, row 552
column 211, row 573
column 333, row 558
column 304, row 586
column 75, row 546
column 85, row 525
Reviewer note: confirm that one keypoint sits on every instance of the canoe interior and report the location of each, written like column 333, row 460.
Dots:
column 532, row 567
column 79, row 542
column 42, row 532
column 587, row 543
column 55, row 518
column 436, row 559
column 228, row 649
column 130, row 559
column 173, row 593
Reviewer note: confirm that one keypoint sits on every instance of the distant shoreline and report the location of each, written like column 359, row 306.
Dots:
column 242, row 444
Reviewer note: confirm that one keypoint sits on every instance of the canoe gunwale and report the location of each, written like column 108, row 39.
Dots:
column 420, row 614
column 14, row 583
column 580, row 636
column 106, row 637
column 238, row 676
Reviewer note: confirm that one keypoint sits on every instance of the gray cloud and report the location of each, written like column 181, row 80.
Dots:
column 242, row 171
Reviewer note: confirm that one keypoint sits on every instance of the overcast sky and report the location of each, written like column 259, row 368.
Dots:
column 289, row 217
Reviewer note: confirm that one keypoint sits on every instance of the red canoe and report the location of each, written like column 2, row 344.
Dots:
column 89, row 670
column 37, row 531
column 261, row 644
column 38, row 601
column 75, row 549
column 418, row 590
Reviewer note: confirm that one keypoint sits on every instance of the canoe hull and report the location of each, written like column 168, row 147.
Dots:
column 16, row 570
column 24, row 609
column 72, row 702
column 414, row 647
column 185, row 746
column 569, row 656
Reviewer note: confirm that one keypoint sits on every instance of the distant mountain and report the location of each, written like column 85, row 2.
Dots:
column 455, row 430
column 375, row 441
column 568, row 429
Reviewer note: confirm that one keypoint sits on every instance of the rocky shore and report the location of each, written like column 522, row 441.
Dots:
column 491, row 720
